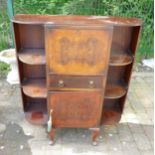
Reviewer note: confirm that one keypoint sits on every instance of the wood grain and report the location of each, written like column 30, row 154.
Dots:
column 81, row 109
column 114, row 91
column 32, row 56
column 35, row 88
column 77, row 52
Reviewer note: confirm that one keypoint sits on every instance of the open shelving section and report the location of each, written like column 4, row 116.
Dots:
column 29, row 38
column 124, row 42
column 36, row 110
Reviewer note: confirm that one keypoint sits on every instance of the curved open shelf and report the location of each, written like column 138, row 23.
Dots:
column 32, row 56
column 36, row 113
column 35, row 88
column 120, row 59
column 114, row 91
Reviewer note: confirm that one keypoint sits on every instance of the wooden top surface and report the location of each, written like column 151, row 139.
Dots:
column 120, row 21
column 75, row 20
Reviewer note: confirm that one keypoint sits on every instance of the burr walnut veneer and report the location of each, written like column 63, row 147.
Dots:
column 75, row 70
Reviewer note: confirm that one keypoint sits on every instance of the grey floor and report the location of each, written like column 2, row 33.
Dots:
column 132, row 136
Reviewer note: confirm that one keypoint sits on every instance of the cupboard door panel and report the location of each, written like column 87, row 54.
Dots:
column 80, row 109
column 80, row 51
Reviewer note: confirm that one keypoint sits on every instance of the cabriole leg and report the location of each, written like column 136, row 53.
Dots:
column 52, row 136
column 95, row 134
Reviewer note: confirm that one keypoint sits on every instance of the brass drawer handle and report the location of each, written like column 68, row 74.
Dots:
column 61, row 83
column 91, row 83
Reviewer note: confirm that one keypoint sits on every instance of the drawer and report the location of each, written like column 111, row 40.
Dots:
column 81, row 109
column 67, row 81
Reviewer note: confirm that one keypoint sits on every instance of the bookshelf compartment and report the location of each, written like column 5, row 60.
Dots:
column 119, row 75
column 112, row 110
column 110, row 117
column 113, row 105
column 30, row 36
column 35, row 88
column 121, row 40
column 35, row 71
column 36, row 111
column 32, row 56
column 121, row 54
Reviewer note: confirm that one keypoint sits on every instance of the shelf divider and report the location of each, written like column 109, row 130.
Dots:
column 32, row 56
column 35, row 88
column 120, row 59
column 114, row 91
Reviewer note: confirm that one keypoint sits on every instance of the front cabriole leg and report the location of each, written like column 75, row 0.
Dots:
column 52, row 136
column 95, row 134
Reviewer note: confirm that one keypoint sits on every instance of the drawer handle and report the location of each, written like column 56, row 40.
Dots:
column 91, row 83
column 60, row 83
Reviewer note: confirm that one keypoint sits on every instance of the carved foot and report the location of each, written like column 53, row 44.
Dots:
column 52, row 136
column 51, row 142
column 95, row 134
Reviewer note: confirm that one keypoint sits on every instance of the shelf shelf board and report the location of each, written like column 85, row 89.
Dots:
column 120, row 59
column 36, row 113
column 110, row 117
column 32, row 56
column 35, row 88
column 114, row 91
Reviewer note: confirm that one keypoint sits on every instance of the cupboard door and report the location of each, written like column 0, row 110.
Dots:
column 81, row 109
column 78, row 50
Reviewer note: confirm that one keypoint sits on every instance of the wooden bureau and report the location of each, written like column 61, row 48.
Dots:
column 75, row 70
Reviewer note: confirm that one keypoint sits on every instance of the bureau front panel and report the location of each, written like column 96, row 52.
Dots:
column 78, row 50
column 75, row 108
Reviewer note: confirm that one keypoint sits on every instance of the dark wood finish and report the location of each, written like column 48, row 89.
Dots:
column 63, row 82
column 32, row 56
column 119, row 59
column 81, row 65
column 31, row 36
column 36, row 110
column 52, row 136
column 110, row 117
column 33, row 71
column 95, row 134
column 78, row 50
column 76, row 20
column 114, row 91
column 114, row 104
column 29, row 42
column 77, row 60
column 124, row 43
column 112, row 111
column 75, row 108
column 35, row 88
